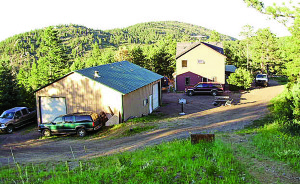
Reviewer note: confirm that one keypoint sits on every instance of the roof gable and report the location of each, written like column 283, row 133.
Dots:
column 183, row 48
column 123, row 76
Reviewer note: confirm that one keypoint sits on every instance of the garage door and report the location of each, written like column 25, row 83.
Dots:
column 52, row 107
column 155, row 96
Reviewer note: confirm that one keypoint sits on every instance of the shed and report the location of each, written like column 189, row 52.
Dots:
column 122, row 88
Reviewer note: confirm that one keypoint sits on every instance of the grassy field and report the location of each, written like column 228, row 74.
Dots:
column 178, row 161
column 236, row 157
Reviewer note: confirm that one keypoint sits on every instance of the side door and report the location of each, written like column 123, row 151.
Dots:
column 57, row 125
column 18, row 119
column 25, row 117
column 84, row 121
column 198, row 88
column 206, row 88
column 69, row 125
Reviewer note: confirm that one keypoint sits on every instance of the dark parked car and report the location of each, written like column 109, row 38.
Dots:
column 205, row 87
column 16, row 117
column 73, row 123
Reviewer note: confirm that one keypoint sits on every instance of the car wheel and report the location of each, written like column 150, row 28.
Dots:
column 190, row 93
column 214, row 93
column 9, row 129
column 46, row 133
column 81, row 132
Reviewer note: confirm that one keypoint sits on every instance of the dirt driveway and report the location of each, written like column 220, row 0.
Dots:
column 201, row 116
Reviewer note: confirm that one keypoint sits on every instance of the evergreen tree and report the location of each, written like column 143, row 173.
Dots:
column 215, row 36
column 137, row 56
column 241, row 78
column 122, row 54
column 247, row 33
column 264, row 50
column 53, row 61
column 9, row 92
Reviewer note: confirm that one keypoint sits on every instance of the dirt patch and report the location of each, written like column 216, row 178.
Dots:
column 201, row 116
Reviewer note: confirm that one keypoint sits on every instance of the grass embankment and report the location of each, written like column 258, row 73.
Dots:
column 224, row 161
column 178, row 161
column 273, row 139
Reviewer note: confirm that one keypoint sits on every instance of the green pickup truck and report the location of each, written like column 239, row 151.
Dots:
column 73, row 123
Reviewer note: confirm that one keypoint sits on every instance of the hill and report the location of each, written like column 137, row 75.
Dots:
column 78, row 40
column 33, row 59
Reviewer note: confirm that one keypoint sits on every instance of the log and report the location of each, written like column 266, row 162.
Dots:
column 196, row 138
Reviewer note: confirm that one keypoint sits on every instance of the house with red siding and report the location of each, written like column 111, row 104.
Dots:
column 199, row 62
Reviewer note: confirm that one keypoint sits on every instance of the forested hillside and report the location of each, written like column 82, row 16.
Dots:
column 79, row 41
column 34, row 59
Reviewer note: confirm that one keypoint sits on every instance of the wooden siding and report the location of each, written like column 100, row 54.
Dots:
column 180, row 80
column 214, row 65
column 82, row 94
column 133, row 102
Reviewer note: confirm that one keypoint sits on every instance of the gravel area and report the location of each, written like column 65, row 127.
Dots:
column 201, row 116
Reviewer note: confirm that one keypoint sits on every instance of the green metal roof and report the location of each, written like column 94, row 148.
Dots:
column 123, row 76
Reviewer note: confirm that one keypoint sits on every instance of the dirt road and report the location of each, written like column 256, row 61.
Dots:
column 246, row 108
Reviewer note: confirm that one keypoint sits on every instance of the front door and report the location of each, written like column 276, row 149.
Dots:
column 155, row 92
column 150, row 104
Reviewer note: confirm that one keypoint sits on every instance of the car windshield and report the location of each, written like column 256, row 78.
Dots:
column 261, row 76
column 7, row 115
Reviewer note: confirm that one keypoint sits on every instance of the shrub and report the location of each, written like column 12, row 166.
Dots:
column 241, row 78
column 287, row 104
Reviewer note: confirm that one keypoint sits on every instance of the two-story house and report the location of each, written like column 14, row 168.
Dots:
column 199, row 62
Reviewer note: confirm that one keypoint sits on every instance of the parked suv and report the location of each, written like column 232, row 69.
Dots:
column 16, row 117
column 78, row 123
column 262, row 80
column 205, row 87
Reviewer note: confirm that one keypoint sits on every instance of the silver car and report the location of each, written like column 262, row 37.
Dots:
column 16, row 117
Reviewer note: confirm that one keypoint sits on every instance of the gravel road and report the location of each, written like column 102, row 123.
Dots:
column 247, row 106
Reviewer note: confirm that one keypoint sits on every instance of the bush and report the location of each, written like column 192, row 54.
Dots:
column 287, row 104
column 241, row 78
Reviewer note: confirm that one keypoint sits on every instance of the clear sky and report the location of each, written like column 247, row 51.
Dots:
column 225, row 16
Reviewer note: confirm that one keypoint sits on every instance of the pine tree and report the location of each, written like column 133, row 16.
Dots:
column 53, row 61
column 9, row 92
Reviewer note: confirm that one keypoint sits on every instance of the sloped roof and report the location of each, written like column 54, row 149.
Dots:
column 123, row 76
column 230, row 68
column 183, row 48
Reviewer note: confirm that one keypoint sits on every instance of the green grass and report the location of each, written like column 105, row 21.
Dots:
column 281, row 80
column 271, row 139
column 276, row 144
column 149, row 118
column 172, row 162
column 136, row 130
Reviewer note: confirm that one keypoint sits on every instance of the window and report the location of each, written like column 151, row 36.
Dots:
column 24, row 111
column 214, row 79
column 18, row 114
column 68, row 119
column 205, row 85
column 184, row 63
column 187, row 81
column 145, row 102
column 204, row 79
column 84, row 118
column 199, row 86
column 201, row 61
column 58, row 120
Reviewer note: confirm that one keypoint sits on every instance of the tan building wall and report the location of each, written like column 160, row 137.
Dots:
column 134, row 102
column 214, row 63
column 82, row 94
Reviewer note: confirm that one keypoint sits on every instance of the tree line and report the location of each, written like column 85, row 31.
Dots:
column 39, row 57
